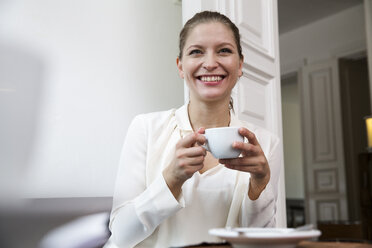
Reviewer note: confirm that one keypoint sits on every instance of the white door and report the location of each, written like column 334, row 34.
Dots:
column 257, row 95
column 325, row 189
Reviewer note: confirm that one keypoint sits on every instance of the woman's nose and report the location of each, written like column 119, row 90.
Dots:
column 210, row 62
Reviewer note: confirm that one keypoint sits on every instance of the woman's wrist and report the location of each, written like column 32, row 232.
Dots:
column 256, row 186
column 175, row 186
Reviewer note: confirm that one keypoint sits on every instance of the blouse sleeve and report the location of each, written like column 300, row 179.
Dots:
column 138, row 209
column 261, row 212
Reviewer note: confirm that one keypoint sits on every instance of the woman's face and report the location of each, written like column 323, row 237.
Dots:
column 210, row 64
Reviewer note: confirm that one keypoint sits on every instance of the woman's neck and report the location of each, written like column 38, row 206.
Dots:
column 208, row 115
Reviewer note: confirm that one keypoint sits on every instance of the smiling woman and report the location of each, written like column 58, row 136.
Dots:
column 167, row 181
column 210, row 66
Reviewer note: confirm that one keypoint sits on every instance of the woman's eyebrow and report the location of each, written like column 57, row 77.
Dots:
column 194, row 46
column 226, row 44
column 218, row 45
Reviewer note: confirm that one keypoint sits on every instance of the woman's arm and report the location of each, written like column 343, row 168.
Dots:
column 188, row 159
column 260, row 192
column 137, row 209
column 252, row 160
column 261, row 212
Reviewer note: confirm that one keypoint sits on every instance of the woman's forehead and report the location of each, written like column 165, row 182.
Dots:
column 211, row 31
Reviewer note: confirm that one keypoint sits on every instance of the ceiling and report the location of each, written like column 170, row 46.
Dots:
column 296, row 13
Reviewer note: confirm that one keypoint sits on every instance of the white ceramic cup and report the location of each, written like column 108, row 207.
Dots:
column 219, row 141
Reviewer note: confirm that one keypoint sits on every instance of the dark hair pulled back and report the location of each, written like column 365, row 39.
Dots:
column 206, row 17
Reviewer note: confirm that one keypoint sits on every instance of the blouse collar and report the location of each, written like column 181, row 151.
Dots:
column 182, row 118
column 183, row 121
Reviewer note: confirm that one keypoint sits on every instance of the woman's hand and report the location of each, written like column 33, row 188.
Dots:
column 189, row 158
column 253, row 160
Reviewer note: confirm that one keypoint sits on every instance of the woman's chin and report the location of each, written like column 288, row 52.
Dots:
column 213, row 97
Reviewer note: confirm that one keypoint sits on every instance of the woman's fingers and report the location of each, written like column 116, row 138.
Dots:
column 256, row 166
column 189, row 158
column 188, row 141
column 245, row 162
column 194, row 161
column 247, row 149
column 189, row 155
column 201, row 130
column 191, row 139
column 249, row 135
column 191, row 152
column 253, row 159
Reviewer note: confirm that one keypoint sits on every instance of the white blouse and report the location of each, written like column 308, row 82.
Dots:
column 145, row 212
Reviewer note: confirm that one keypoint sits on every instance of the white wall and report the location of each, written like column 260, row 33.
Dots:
column 337, row 35
column 73, row 74
column 292, row 142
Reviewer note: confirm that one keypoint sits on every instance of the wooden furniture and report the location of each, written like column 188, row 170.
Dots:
column 365, row 189
column 295, row 212
column 303, row 244
column 314, row 244
column 341, row 230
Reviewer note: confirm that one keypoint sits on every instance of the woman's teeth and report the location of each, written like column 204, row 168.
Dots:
column 210, row 78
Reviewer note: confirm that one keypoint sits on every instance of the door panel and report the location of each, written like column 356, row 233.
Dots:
column 254, row 99
column 322, row 119
column 254, row 19
column 325, row 189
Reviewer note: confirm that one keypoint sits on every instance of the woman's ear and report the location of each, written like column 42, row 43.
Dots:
column 179, row 66
column 241, row 62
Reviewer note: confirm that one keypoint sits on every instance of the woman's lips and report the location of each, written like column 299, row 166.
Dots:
column 211, row 80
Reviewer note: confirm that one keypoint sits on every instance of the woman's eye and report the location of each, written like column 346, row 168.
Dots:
column 225, row 50
column 195, row 52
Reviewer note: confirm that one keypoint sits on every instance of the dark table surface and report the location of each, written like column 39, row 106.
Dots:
column 303, row 244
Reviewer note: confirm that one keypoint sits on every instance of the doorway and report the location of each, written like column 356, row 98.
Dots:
column 355, row 105
column 293, row 157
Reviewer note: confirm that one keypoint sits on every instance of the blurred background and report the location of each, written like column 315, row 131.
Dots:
column 74, row 73
column 72, row 76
